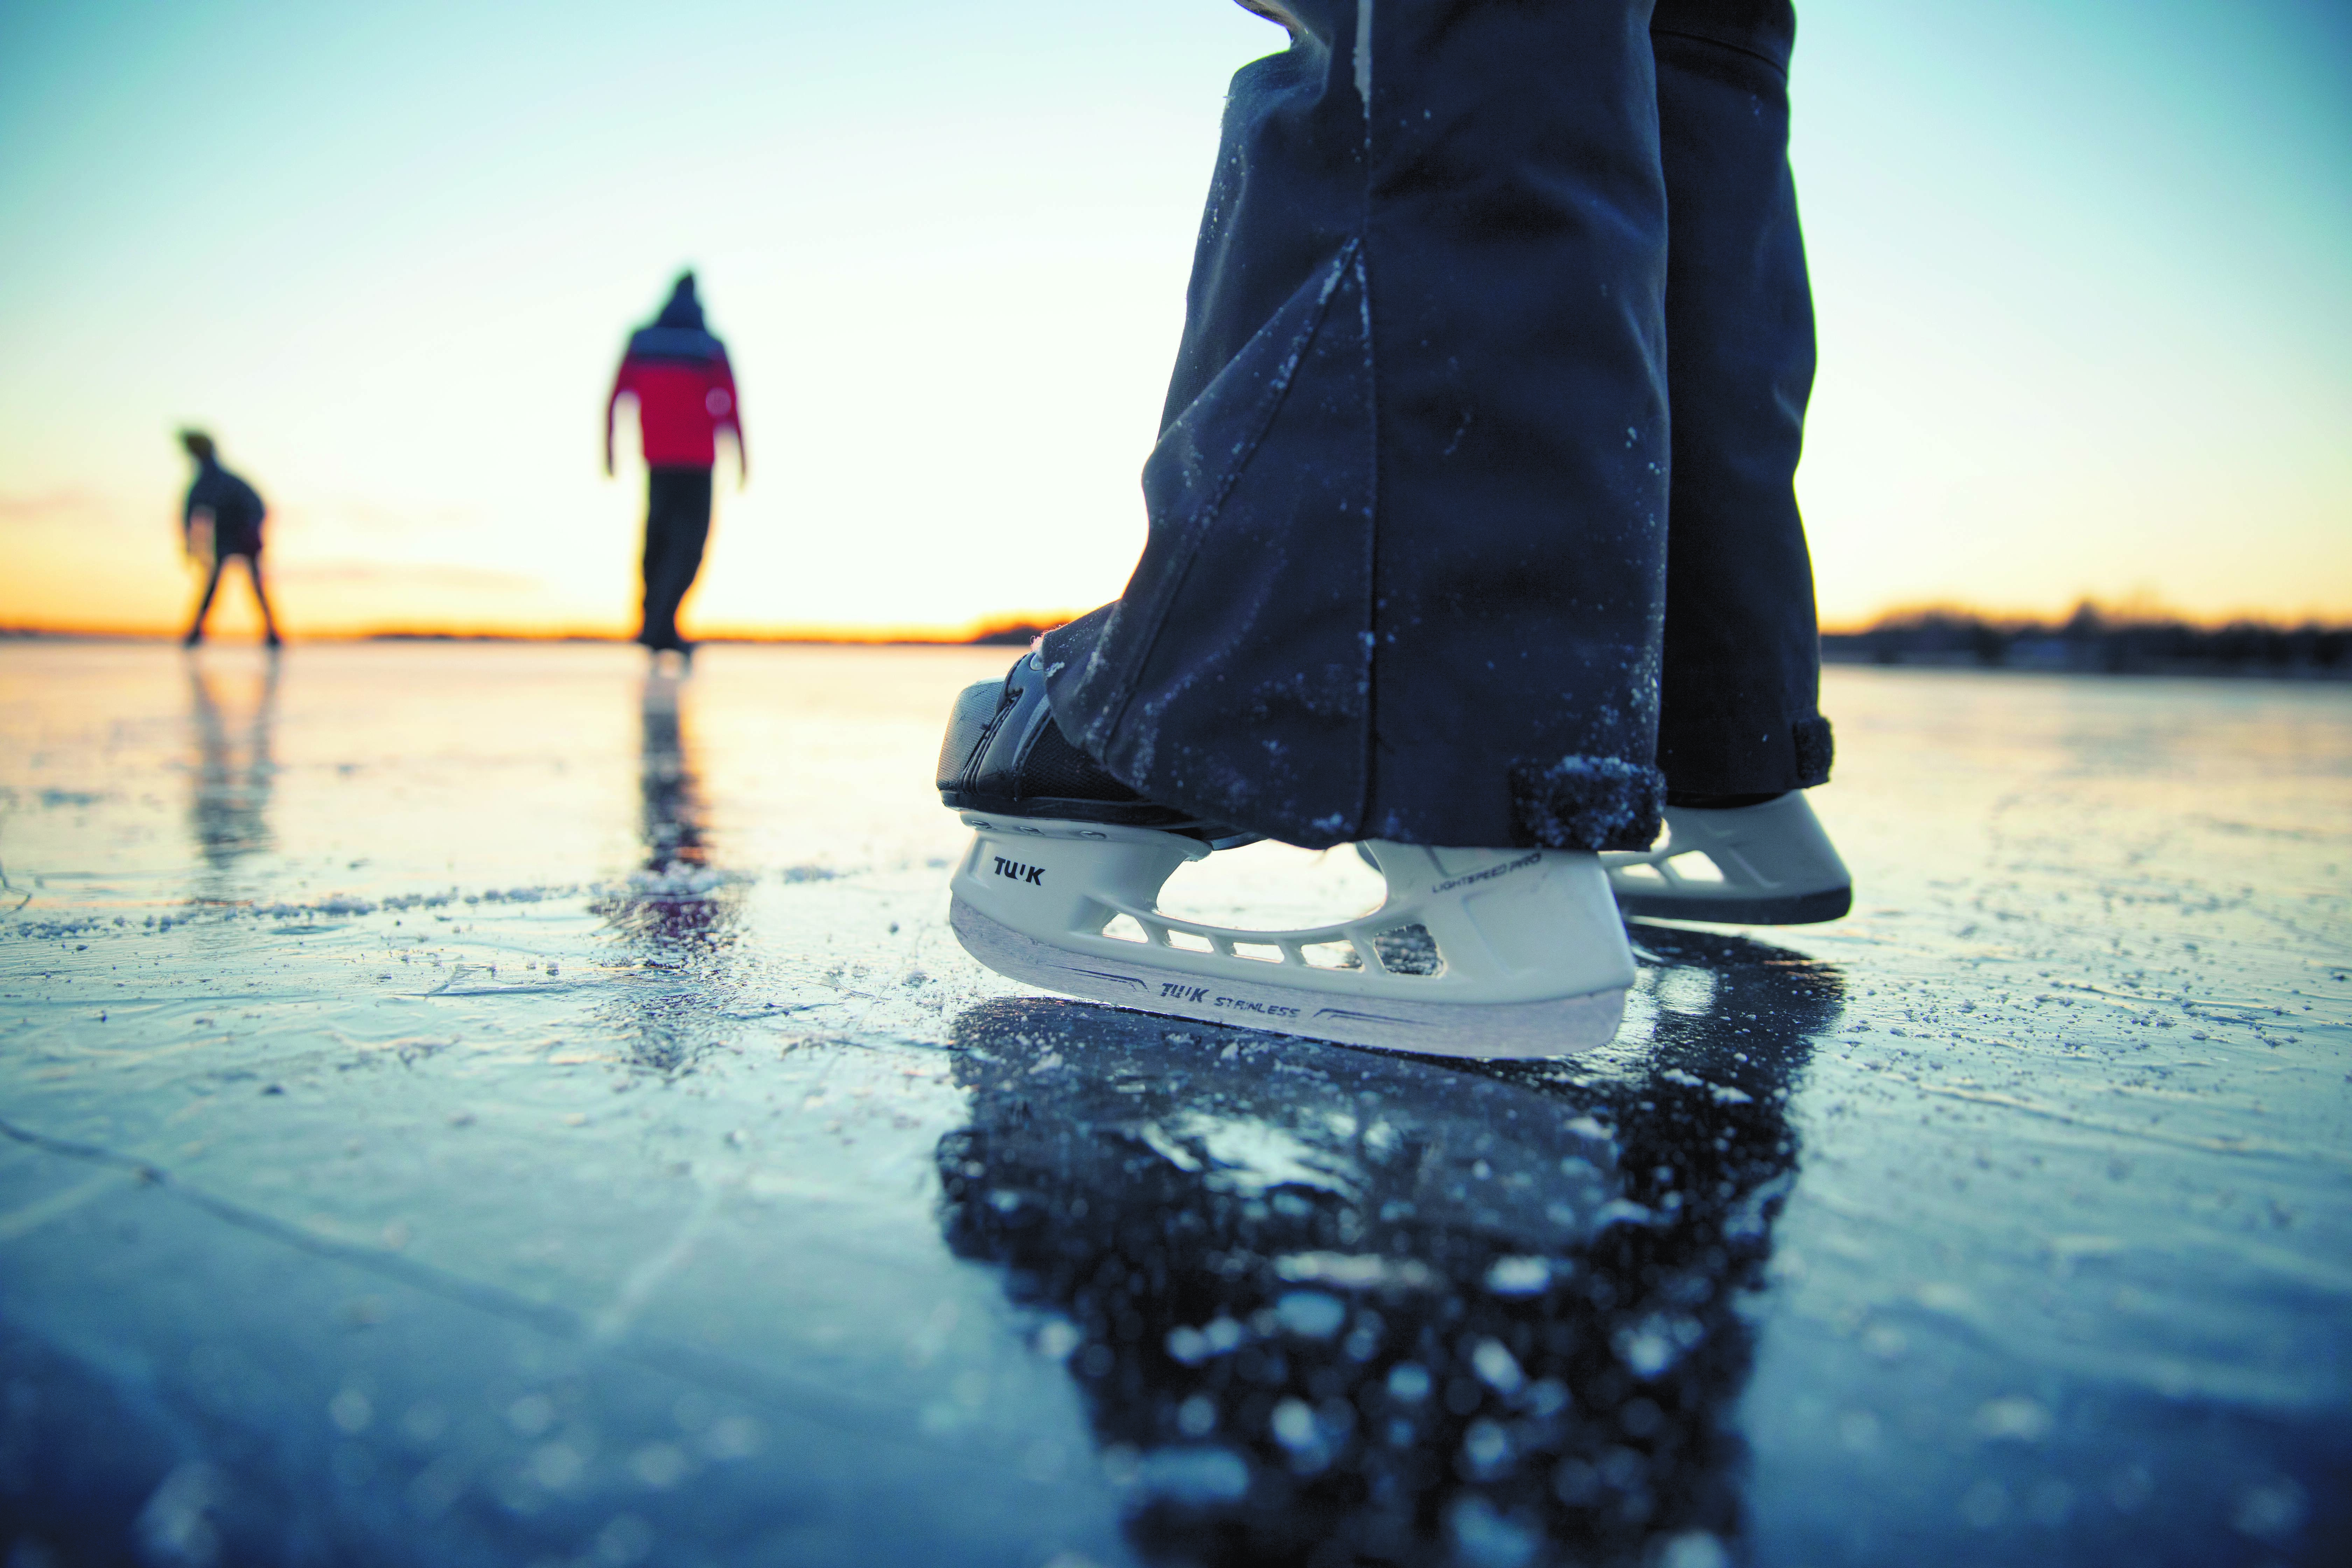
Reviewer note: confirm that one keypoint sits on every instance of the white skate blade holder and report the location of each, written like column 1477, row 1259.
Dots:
column 1530, row 959
column 1770, row 864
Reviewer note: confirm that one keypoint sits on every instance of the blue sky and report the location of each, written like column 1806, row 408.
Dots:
column 2081, row 274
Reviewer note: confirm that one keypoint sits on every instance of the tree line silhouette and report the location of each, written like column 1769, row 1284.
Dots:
column 2097, row 640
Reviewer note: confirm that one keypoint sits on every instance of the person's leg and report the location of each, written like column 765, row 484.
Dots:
column 650, row 631
column 1741, row 676
column 678, row 523
column 689, row 533
column 262, row 597
column 1405, row 577
column 204, row 604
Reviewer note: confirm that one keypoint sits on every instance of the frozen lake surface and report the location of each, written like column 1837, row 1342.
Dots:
column 482, row 1105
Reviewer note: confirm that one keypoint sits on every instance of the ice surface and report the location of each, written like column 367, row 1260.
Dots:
column 480, row 1105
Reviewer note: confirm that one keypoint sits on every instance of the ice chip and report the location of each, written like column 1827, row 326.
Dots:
column 1293, row 1424
column 1497, row 1367
column 1310, row 1314
column 1485, row 1450
column 1518, row 1276
column 1483, row 1538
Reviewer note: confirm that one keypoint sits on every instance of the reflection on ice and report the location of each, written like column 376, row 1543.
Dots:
column 680, row 913
column 228, row 805
column 672, row 820
column 1327, row 1304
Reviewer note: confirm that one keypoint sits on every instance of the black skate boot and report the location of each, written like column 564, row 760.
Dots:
column 1003, row 754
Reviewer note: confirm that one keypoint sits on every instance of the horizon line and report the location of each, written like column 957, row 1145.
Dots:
column 1005, row 627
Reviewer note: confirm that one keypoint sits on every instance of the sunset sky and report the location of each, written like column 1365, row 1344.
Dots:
column 2083, row 275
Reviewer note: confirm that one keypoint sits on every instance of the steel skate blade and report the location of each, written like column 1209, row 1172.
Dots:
column 1794, row 909
column 1481, row 1030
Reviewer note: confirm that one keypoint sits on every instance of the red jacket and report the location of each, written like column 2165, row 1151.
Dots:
column 685, row 393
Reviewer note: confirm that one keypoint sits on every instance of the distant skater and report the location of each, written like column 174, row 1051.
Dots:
column 232, row 512
column 685, row 391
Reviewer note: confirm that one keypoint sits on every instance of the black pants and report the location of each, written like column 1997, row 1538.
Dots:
column 678, row 525
column 1471, row 517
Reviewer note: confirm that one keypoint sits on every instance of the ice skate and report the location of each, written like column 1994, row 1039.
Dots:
column 1767, row 864
column 1473, row 952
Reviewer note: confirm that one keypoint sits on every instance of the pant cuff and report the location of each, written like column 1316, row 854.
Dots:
column 1587, row 803
column 1816, row 750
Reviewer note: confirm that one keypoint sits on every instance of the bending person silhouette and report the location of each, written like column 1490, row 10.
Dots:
column 677, row 373
column 230, row 513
